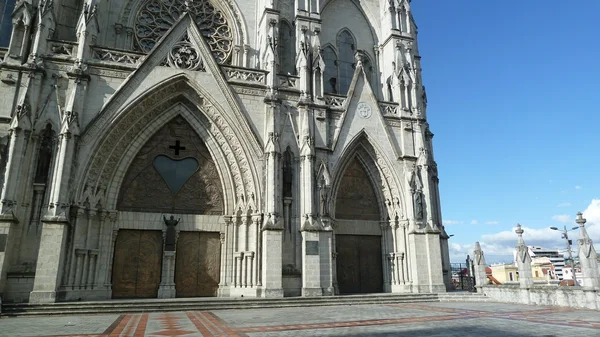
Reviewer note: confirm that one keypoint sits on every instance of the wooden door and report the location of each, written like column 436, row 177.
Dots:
column 358, row 262
column 197, row 264
column 137, row 264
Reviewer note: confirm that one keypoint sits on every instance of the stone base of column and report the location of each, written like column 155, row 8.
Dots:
column 312, row 292
column 272, row 293
column 39, row 297
column 401, row 288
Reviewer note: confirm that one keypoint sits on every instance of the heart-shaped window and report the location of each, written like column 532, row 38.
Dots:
column 175, row 172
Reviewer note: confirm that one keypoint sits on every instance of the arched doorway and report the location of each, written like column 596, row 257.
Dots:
column 358, row 235
column 173, row 173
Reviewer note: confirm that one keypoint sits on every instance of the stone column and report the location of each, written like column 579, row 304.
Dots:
column 50, row 262
column 272, row 240
column 588, row 258
column 523, row 261
column 479, row 264
column 167, row 283
column 8, row 224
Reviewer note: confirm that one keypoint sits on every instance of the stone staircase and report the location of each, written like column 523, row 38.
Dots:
column 463, row 296
column 206, row 303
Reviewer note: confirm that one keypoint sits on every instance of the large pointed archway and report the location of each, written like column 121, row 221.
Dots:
column 122, row 177
column 366, row 200
column 358, row 235
column 172, row 173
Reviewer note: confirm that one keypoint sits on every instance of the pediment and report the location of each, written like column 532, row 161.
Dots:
column 361, row 114
column 182, row 51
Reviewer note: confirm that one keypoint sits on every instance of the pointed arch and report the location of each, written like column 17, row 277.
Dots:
column 330, row 75
column 287, row 49
column 346, row 45
column 104, row 170
column 6, row 22
column 389, row 191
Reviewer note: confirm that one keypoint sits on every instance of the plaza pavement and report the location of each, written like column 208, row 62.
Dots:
column 453, row 319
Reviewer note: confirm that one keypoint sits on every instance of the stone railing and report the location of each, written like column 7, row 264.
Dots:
column 63, row 48
column 287, row 81
column 389, row 109
column 527, row 291
column 574, row 297
column 118, row 56
column 244, row 75
column 335, row 101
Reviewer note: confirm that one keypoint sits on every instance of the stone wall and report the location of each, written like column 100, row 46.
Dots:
column 573, row 297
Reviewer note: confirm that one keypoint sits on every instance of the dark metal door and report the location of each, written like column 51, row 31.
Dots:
column 197, row 264
column 137, row 264
column 358, row 262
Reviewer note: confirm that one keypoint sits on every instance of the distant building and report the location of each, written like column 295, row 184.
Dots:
column 505, row 272
column 557, row 259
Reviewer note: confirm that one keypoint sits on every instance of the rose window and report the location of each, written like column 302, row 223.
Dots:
column 156, row 17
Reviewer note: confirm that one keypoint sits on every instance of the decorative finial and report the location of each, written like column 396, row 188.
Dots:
column 580, row 219
column 519, row 230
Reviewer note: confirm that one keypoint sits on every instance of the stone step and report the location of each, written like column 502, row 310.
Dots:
column 196, row 304
column 463, row 297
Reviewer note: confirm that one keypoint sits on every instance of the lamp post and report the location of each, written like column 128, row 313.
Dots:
column 565, row 235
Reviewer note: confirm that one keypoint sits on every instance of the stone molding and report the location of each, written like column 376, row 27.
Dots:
column 136, row 120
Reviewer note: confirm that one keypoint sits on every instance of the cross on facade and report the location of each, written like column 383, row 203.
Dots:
column 177, row 147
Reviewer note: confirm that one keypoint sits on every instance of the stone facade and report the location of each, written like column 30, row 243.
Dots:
column 278, row 126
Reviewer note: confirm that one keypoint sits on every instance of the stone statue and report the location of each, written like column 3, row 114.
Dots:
column 170, row 239
column 418, row 201
column 323, row 199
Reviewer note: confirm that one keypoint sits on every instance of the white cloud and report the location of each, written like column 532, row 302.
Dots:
column 564, row 204
column 492, row 222
column 499, row 247
column 451, row 222
column 578, row 187
column 563, row 218
column 474, row 222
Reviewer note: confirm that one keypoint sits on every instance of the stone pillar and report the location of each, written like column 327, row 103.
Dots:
column 167, row 283
column 523, row 261
column 479, row 264
column 50, row 262
column 8, row 224
column 272, row 240
column 588, row 258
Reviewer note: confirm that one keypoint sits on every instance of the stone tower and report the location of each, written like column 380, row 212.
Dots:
column 162, row 148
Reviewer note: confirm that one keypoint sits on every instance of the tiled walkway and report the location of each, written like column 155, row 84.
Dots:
column 414, row 320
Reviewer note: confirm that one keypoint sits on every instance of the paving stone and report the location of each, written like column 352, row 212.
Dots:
column 462, row 319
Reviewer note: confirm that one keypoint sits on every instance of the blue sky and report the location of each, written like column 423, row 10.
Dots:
column 514, row 103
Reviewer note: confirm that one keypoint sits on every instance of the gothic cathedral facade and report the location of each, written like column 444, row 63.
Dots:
column 184, row 148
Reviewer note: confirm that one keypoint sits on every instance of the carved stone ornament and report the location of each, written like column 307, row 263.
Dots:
column 364, row 110
column 156, row 17
column 184, row 55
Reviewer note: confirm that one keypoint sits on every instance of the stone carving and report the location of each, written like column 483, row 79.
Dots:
column 184, row 55
column 156, row 17
column 118, row 56
column 389, row 109
column 122, row 134
column 335, row 101
column 171, row 233
column 418, row 204
column 323, row 198
column 364, row 110
column 244, row 75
